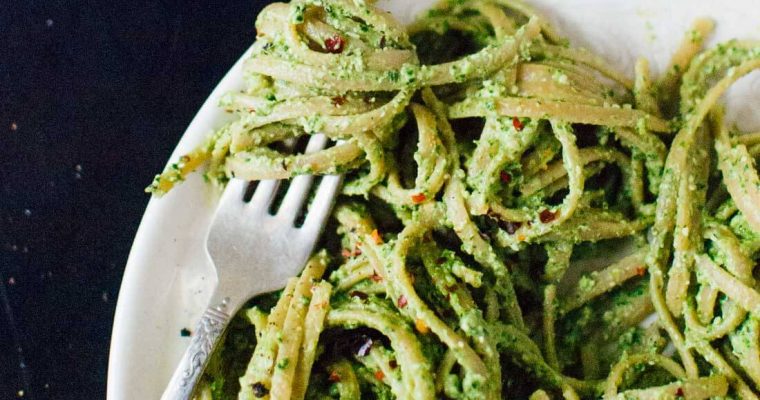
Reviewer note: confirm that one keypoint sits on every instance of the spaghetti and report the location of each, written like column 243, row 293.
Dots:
column 490, row 172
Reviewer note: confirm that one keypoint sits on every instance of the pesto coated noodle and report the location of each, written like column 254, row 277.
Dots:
column 514, row 212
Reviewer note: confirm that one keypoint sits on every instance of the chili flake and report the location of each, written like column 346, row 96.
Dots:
column 517, row 123
column 401, row 301
column 418, row 198
column 505, row 177
column 640, row 271
column 338, row 101
column 376, row 237
column 376, row 278
column 335, row 44
column 547, row 216
column 421, row 326
column 334, row 377
column 379, row 375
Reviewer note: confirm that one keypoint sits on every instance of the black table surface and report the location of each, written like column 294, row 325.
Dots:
column 94, row 95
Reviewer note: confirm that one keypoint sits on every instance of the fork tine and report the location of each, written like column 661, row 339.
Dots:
column 323, row 202
column 300, row 185
column 316, row 142
column 233, row 193
column 263, row 195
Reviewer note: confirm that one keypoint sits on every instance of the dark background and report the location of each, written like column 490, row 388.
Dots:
column 94, row 95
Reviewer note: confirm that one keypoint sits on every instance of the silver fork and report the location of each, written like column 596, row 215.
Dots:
column 254, row 253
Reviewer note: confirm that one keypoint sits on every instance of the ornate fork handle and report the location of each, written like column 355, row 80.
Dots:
column 207, row 336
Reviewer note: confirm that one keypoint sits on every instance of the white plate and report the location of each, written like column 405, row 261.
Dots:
column 168, row 277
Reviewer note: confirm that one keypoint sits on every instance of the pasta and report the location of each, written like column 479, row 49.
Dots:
column 518, row 219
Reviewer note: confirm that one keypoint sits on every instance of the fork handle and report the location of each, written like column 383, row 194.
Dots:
column 205, row 340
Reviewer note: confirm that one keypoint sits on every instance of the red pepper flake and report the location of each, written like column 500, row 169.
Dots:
column 418, row 198
column 505, row 177
column 348, row 253
column 376, row 278
column 338, row 101
column 511, row 227
column 679, row 392
column 421, row 326
column 335, row 44
column 517, row 123
column 334, row 377
column 376, row 237
column 640, row 271
column 358, row 294
column 379, row 375
column 401, row 301
column 547, row 216
column 393, row 364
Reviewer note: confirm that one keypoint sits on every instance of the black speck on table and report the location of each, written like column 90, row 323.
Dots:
column 93, row 97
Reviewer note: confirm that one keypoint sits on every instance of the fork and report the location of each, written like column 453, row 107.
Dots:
column 254, row 252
